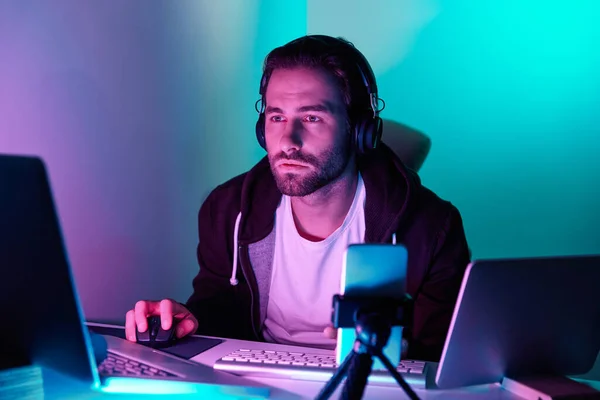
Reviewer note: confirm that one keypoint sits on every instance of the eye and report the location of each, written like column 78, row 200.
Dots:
column 277, row 118
column 312, row 118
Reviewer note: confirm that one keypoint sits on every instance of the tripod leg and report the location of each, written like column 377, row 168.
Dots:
column 399, row 379
column 335, row 380
column 357, row 377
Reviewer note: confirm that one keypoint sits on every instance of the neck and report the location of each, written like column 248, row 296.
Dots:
column 319, row 214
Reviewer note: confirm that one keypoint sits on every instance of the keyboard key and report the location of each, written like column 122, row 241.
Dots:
column 117, row 365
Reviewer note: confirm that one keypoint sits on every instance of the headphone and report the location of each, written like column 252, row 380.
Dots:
column 367, row 127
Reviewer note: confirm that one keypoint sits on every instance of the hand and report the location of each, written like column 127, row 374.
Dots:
column 330, row 332
column 168, row 310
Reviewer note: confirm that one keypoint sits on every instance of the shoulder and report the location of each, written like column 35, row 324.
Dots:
column 240, row 188
column 433, row 204
column 223, row 202
column 431, row 216
column 225, row 192
column 239, row 194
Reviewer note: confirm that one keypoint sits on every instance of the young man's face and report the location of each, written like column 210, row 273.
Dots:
column 306, row 133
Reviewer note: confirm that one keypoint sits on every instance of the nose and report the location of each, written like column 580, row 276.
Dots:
column 291, row 137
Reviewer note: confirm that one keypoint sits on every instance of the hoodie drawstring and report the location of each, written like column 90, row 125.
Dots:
column 233, row 281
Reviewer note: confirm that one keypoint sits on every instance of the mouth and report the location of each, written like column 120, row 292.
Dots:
column 290, row 165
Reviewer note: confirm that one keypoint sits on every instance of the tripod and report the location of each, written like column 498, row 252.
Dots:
column 373, row 331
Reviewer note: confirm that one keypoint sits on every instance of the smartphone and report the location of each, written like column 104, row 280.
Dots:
column 373, row 270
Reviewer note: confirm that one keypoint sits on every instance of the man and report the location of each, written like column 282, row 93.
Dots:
column 271, row 241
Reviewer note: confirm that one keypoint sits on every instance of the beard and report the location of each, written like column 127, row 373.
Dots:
column 327, row 167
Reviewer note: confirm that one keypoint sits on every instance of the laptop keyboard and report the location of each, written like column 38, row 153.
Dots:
column 116, row 365
column 307, row 366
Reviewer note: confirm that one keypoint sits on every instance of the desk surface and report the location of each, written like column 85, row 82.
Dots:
column 58, row 386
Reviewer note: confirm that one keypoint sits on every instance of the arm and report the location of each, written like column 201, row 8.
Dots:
column 435, row 301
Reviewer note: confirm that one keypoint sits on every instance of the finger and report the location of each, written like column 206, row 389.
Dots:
column 179, row 310
column 166, row 313
column 182, row 314
column 141, row 313
column 330, row 332
column 142, row 310
column 130, row 325
column 186, row 326
column 170, row 309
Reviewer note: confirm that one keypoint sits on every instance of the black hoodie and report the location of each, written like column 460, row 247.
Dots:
column 240, row 213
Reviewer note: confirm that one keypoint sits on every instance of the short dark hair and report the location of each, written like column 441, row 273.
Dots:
column 337, row 56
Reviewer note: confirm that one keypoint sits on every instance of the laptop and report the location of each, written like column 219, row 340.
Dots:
column 42, row 320
column 522, row 318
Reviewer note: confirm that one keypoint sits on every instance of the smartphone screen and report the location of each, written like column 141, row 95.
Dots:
column 373, row 270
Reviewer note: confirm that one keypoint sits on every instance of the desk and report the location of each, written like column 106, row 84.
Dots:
column 61, row 387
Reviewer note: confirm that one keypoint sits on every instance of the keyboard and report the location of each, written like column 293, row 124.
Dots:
column 116, row 365
column 310, row 366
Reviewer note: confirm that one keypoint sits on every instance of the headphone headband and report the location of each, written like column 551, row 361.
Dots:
column 363, row 66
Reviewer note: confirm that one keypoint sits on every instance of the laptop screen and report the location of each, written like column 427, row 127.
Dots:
column 42, row 319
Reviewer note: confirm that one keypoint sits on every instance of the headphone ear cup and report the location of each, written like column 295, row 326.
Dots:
column 363, row 134
column 260, row 131
column 359, row 135
column 367, row 134
column 356, row 137
column 377, row 132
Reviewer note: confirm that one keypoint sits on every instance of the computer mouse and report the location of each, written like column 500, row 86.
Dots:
column 155, row 336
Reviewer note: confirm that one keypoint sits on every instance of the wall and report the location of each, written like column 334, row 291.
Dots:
column 509, row 93
column 139, row 110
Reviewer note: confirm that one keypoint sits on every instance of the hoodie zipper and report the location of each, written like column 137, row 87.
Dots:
column 244, row 259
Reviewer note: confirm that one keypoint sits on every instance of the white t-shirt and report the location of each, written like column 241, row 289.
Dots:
column 307, row 274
